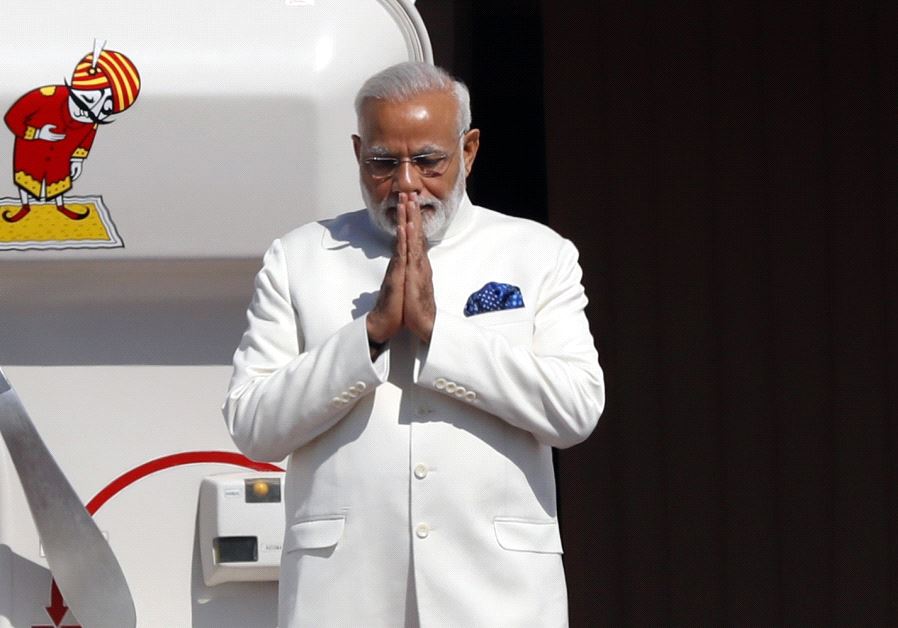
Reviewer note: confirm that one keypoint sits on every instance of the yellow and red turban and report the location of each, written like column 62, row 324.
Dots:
column 113, row 70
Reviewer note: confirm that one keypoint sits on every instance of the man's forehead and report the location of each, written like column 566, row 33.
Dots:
column 431, row 114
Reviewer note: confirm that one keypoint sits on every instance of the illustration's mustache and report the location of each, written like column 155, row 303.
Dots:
column 85, row 108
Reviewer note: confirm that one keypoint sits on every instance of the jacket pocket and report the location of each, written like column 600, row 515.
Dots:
column 516, row 324
column 314, row 533
column 528, row 535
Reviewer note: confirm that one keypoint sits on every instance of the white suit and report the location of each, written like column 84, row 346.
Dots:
column 420, row 485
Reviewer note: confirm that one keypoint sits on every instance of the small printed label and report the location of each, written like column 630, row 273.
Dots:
column 233, row 492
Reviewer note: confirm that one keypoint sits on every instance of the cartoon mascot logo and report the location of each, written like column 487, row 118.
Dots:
column 55, row 126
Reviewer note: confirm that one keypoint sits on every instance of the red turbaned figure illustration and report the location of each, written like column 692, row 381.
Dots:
column 55, row 127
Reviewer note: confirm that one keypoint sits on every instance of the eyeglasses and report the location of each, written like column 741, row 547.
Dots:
column 428, row 165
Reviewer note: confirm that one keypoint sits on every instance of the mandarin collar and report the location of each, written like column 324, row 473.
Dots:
column 460, row 222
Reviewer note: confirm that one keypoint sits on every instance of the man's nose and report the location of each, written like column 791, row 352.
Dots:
column 406, row 178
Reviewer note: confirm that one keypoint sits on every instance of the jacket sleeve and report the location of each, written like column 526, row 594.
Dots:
column 282, row 394
column 554, row 388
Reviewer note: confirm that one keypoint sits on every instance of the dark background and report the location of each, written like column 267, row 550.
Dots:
column 728, row 172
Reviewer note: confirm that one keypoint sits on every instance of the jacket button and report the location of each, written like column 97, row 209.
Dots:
column 470, row 396
column 421, row 471
column 439, row 383
column 460, row 392
column 450, row 387
column 422, row 531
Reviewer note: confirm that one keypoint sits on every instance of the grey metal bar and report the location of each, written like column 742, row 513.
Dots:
column 81, row 561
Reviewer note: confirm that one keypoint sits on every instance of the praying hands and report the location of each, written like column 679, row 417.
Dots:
column 406, row 294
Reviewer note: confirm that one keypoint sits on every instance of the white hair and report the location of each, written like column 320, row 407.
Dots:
column 403, row 81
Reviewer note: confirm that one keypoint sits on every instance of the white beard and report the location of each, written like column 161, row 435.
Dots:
column 435, row 221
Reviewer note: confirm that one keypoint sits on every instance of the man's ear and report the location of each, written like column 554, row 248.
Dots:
column 357, row 147
column 470, row 146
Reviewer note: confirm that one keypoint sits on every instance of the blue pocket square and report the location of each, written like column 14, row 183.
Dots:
column 492, row 297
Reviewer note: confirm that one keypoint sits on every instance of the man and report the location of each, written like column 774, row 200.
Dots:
column 417, row 361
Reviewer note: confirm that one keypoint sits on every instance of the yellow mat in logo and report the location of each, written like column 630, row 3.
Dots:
column 46, row 228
